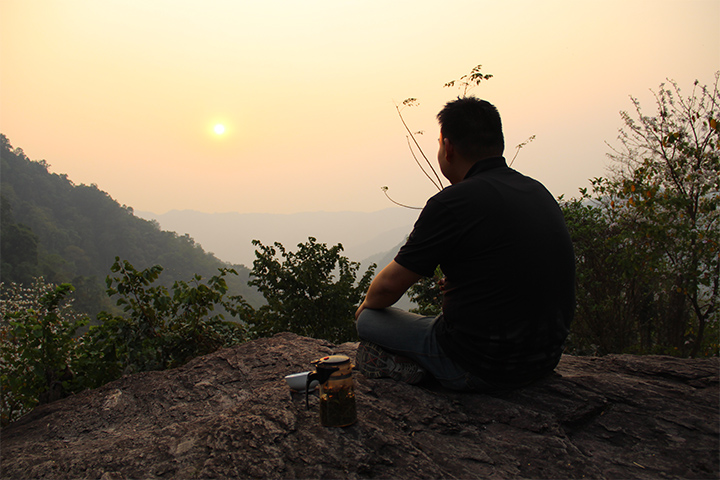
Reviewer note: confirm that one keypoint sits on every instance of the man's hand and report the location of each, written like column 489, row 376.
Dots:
column 388, row 286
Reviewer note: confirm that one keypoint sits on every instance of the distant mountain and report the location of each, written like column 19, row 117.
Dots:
column 65, row 232
column 383, row 258
column 72, row 233
column 229, row 235
column 368, row 238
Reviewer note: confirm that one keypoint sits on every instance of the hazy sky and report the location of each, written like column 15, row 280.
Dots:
column 125, row 93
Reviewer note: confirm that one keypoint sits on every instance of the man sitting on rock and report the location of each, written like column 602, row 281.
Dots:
column 500, row 239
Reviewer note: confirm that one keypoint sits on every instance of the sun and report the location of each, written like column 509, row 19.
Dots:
column 219, row 129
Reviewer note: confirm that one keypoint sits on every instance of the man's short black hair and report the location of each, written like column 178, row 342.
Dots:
column 473, row 126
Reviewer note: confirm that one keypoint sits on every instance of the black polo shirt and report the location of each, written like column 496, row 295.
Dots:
column 501, row 241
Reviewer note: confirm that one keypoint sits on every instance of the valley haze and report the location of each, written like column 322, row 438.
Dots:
column 365, row 237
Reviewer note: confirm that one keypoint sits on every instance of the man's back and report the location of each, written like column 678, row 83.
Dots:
column 503, row 246
column 501, row 241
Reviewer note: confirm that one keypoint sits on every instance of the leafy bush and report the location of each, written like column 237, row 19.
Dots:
column 427, row 294
column 42, row 358
column 310, row 292
column 160, row 330
column 37, row 342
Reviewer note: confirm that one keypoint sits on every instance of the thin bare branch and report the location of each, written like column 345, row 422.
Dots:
column 439, row 184
column 385, row 189
column 420, row 165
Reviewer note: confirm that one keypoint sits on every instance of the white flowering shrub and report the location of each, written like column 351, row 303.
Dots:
column 37, row 342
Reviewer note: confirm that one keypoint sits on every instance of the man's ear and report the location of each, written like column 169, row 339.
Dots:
column 449, row 150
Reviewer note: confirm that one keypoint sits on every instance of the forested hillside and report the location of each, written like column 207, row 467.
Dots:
column 72, row 233
column 169, row 302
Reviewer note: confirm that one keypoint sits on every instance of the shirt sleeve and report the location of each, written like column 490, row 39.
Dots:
column 431, row 239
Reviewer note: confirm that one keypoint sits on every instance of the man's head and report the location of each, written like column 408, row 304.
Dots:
column 473, row 127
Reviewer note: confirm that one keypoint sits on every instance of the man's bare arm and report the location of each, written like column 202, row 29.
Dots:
column 388, row 286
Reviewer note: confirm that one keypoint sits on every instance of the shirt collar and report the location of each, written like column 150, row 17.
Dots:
column 486, row 164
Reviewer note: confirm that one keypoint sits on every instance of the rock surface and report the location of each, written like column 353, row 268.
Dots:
column 231, row 415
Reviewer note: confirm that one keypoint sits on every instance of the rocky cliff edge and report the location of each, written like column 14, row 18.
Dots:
column 231, row 415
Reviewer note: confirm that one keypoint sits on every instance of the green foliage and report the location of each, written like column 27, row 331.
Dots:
column 311, row 292
column 19, row 248
column 42, row 358
column 427, row 294
column 647, row 238
column 37, row 340
column 160, row 329
column 609, row 283
column 71, row 233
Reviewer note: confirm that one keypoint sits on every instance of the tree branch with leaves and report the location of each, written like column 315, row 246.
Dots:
column 663, row 191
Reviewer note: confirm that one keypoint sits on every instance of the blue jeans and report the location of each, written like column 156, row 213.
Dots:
column 413, row 336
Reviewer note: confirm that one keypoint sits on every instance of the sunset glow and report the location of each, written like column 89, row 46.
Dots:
column 120, row 94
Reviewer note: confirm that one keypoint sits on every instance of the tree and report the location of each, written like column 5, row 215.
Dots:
column 18, row 248
column 663, row 195
column 37, row 337
column 612, row 287
column 311, row 292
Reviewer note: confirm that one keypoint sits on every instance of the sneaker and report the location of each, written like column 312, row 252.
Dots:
column 375, row 362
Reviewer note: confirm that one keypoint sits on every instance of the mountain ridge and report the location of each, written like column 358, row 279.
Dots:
column 69, row 233
column 229, row 235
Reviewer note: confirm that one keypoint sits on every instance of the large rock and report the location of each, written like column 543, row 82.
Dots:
column 231, row 415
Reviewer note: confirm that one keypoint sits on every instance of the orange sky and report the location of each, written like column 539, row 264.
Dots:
column 125, row 93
